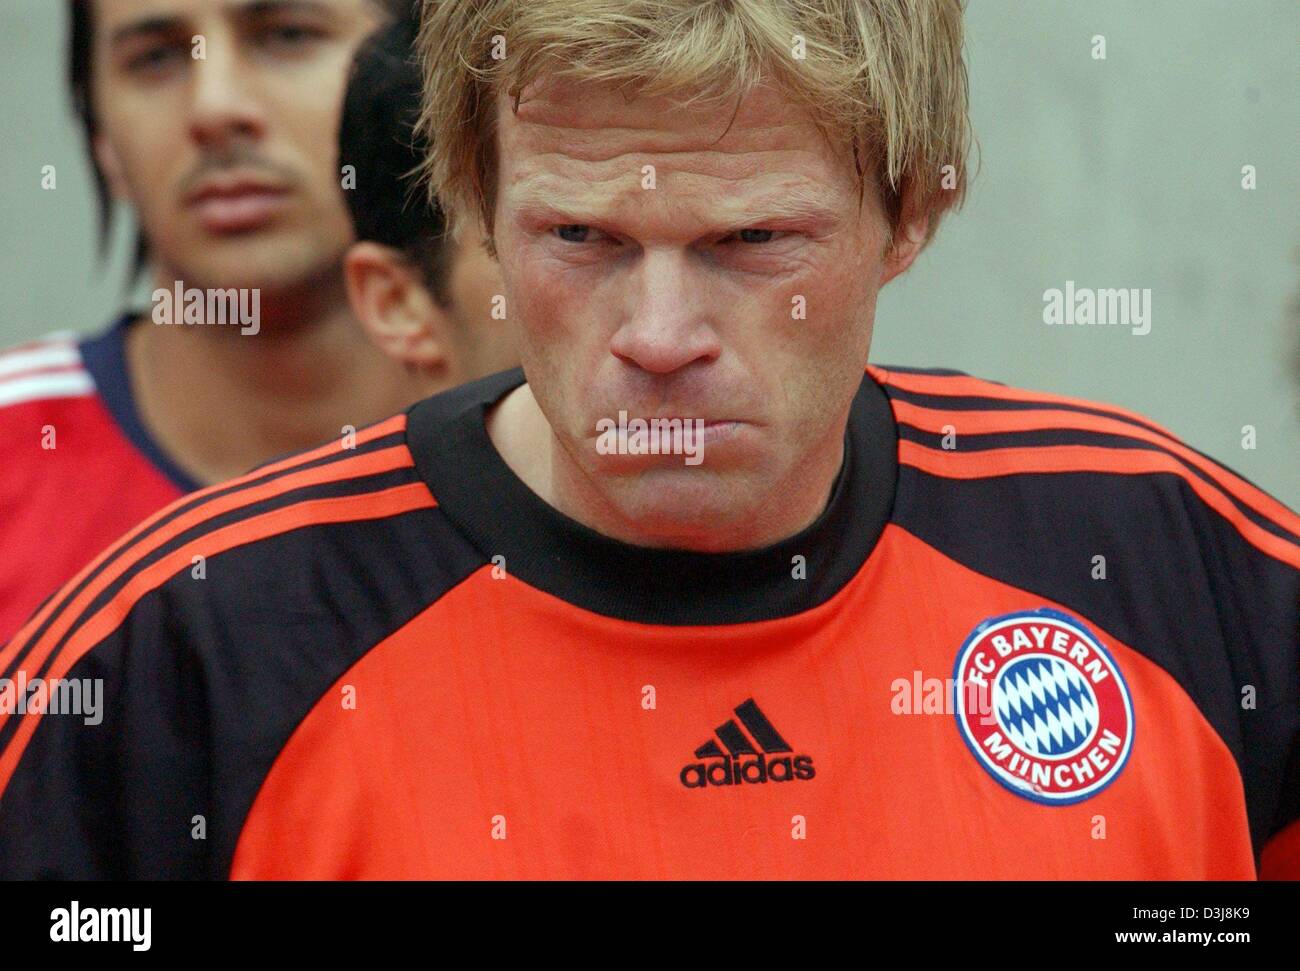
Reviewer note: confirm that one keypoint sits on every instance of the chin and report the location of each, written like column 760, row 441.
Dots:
column 686, row 508
column 273, row 262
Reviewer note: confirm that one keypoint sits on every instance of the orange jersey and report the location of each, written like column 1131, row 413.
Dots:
column 1029, row 637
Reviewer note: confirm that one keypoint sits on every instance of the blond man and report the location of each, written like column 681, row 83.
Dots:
column 698, row 594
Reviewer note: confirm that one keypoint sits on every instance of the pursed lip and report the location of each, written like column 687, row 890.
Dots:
column 710, row 431
column 684, row 419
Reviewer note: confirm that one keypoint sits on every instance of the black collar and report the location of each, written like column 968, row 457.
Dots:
column 544, row 548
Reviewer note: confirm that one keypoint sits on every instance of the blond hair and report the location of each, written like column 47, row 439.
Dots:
column 885, row 76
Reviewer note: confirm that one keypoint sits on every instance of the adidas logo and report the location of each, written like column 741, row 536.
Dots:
column 735, row 765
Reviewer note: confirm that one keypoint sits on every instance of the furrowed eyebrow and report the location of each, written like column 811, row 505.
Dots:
column 534, row 210
column 779, row 210
column 786, row 209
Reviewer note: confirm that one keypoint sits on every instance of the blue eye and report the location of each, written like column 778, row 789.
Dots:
column 574, row 229
column 756, row 235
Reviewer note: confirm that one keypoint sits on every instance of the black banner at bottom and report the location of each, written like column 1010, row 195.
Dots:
column 533, row 920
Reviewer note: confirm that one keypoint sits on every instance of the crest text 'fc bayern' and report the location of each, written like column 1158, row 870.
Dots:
column 1058, row 725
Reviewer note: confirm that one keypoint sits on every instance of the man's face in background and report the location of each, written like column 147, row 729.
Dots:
column 229, row 158
column 740, row 290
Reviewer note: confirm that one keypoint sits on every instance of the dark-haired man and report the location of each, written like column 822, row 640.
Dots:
column 215, row 120
column 424, row 299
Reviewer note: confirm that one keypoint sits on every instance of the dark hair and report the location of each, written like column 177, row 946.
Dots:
column 379, row 139
column 81, row 79
column 81, row 47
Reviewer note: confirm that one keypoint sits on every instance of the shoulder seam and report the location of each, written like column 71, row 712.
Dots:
column 42, row 371
column 1065, row 459
column 61, row 647
column 964, row 386
column 935, row 421
column 326, row 464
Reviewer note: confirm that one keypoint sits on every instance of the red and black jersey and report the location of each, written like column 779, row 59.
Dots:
column 79, row 468
column 1029, row 637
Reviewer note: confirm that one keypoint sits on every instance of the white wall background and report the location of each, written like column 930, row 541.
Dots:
column 1117, row 173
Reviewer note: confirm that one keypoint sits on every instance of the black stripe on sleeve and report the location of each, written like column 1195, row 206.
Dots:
column 180, row 508
column 966, row 442
column 328, row 490
column 204, row 684
column 943, row 402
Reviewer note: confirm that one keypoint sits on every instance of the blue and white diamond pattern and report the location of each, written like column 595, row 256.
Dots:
column 1046, row 706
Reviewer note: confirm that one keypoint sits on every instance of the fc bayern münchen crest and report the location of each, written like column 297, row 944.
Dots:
column 1043, row 706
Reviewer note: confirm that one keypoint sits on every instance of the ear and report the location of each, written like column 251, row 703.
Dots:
column 111, row 166
column 908, row 240
column 396, row 310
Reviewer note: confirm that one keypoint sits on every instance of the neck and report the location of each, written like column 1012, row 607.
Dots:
column 219, row 401
column 528, row 445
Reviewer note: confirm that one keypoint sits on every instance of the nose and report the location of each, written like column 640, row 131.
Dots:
column 669, row 326
column 224, row 107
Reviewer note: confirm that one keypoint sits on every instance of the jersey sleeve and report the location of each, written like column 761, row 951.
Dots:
column 1280, row 859
column 1257, row 585
column 104, row 755
column 185, row 655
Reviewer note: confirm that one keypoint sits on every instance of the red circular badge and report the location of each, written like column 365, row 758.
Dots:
column 1043, row 706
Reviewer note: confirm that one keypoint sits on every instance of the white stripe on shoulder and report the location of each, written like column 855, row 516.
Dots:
column 53, row 338
column 39, row 355
column 59, row 384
